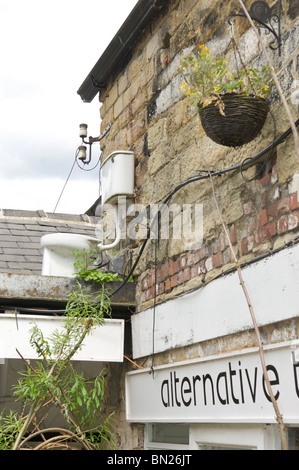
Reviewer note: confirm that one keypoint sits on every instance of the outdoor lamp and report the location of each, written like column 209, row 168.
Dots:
column 82, row 153
column 83, row 130
column 90, row 141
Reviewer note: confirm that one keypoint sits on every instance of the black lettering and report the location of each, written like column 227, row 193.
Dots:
column 272, row 382
column 252, row 390
column 175, row 389
column 205, row 378
column 231, row 373
column 165, row 401
column 224, row 387
column 241, row 382
column 295, row 366
column 185, row 390
column 223, row 401
column 195, row 379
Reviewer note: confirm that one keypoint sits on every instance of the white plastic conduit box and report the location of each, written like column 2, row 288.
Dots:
column 117, row 176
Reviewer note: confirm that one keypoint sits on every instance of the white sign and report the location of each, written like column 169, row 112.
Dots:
column 225, row 388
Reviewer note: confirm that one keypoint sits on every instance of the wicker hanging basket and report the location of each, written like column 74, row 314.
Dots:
column 243, row 120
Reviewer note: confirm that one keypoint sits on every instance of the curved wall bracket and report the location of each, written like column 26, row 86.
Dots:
column 262, row 14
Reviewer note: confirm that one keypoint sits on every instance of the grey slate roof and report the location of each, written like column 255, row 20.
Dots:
column 20, row 233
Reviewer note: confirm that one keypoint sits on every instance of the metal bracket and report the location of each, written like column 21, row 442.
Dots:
column 98, row 86
column 92, row 140
column 261, row 13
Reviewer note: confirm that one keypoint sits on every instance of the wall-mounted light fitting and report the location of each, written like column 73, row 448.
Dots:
column 82, row 148
column 262, row 14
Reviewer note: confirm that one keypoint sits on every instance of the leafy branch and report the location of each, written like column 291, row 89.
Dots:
column 53, row 380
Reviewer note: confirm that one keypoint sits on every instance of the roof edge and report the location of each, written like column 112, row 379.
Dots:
column 25, row 214
column 40, row 292
column 119, row 47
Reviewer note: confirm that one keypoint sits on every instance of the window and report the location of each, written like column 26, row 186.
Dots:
column 221, row 447
column 217, row 436
column 293, row 438
column 221, row 436
column 167, row 436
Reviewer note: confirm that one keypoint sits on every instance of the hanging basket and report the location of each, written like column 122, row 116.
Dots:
column 243, row 120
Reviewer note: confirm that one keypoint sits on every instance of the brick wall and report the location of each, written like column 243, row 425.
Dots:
column 275, row 218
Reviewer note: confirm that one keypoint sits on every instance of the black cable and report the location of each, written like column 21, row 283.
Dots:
column 88, row 169
column 154, row 310
column 167, row 199
column 266, row 159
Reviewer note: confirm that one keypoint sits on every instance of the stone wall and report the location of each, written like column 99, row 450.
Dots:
column 150, row 116
column 126, row 436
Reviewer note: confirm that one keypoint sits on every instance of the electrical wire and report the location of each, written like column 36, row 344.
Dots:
column 88, row 169
column 69, row 175
column 71, row 170
column 155, row 302
column 239, row 166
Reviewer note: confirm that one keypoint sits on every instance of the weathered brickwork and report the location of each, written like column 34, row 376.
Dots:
column 274, row 333
column 276, row 217
column 125, row 435
column 151, row 117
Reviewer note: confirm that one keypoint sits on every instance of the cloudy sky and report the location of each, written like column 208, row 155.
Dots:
column 48, row 47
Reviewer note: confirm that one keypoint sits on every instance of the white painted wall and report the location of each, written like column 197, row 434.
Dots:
column 220, row 308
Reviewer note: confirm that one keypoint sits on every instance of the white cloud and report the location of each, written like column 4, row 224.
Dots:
column 48, row 49
column 44, row 193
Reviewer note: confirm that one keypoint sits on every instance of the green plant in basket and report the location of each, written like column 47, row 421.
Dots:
column 206, row 78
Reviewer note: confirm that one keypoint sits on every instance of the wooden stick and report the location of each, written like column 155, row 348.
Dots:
column 284, row 101
column 256, row 329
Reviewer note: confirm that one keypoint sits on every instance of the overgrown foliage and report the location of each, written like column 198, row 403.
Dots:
column 54, row 380
column 87, row 271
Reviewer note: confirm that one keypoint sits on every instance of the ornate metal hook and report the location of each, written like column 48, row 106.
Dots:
column 261, row 13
